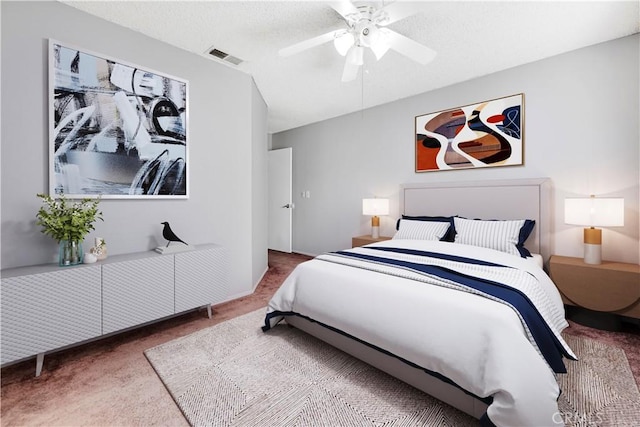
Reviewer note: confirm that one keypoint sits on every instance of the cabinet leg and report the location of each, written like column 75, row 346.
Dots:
column 39, row 363
column 209, row 311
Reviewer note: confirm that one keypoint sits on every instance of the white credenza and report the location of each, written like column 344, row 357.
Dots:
column 47, row 307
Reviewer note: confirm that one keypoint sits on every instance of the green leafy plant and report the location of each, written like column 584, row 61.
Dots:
column 65, row 220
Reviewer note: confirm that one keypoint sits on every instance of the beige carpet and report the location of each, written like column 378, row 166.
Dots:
column 233, row 374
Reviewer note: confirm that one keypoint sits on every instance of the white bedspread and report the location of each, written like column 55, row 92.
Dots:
column 476, row 342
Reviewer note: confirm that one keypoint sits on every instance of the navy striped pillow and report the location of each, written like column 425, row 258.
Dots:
column 506, row 236
column 421, row 230
column 451, row 232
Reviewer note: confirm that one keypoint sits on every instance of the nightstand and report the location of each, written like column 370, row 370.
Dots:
column 610, row 287
column 366, row 240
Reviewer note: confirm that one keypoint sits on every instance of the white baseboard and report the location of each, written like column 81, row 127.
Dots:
column 255, row 285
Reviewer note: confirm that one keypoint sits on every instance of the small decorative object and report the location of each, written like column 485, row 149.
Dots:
column 486, row 134
column 90, row 258
column 68, row 223
column 168, row 234
column 70, row 252
column 100, row 249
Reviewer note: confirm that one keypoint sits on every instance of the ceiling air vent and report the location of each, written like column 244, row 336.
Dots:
column 224, row 56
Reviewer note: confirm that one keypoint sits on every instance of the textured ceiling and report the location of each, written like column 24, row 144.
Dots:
column 472, row 38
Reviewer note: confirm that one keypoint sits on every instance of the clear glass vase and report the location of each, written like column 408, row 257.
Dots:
column 70, row 252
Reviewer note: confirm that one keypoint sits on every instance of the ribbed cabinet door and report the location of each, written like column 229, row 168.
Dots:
column 45, row 311
column 201, row 278
column 136, row 292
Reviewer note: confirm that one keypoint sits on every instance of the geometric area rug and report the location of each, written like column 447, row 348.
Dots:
column 233, row 374
column 599, row 389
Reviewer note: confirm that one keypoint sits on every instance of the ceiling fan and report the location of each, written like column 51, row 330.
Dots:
column 366, row 29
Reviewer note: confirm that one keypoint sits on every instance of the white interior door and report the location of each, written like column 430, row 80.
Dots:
column 280, row 201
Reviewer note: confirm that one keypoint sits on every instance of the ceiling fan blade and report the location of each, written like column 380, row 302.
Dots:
column 308, row 44
column 356, row 55
column 350, row 71
column 343, row 7
column 395, row 12
column 409, row 48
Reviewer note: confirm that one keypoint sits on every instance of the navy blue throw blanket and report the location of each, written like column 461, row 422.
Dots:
column 545, row 339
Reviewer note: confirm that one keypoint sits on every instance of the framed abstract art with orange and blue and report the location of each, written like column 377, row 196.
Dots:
column 485, row 134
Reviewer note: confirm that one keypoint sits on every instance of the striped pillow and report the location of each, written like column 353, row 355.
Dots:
column 449, row 235
column 504, row 236
column 421, row 230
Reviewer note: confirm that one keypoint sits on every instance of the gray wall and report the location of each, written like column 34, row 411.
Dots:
column 259, row 184
column 226, row 203
column 581, row 130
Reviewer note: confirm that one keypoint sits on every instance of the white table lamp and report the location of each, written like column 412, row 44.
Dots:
column 375, row 207
column 592, row 212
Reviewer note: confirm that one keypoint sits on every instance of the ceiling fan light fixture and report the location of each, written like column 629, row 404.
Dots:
column 356, row 55
column 368, row 35
column 366, row 29
column 380, row 43
column 343, row 43
column 379, row 50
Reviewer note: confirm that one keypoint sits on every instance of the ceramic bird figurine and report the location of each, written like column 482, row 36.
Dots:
column 168, row 234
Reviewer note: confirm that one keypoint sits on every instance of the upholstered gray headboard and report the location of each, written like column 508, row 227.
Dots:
column 502, row 199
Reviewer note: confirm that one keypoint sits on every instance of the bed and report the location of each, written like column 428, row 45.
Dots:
column 474, row 322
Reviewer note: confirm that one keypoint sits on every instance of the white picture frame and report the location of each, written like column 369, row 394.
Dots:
column 481, row 135
column 116, row 130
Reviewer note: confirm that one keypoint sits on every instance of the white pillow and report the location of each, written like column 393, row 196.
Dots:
column 499, row 235
column 421, row 230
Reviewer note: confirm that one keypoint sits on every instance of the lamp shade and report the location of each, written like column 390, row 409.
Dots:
column 593, row 211
column 380, row 44
column 375, row 207
column 343, row 43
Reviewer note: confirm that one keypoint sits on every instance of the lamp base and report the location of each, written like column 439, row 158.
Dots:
column 375, row 227
column 592, row 246
column 592, row 254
